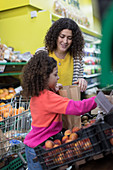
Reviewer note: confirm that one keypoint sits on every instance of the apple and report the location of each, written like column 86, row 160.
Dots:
column 67, row 132
column 111, row 141
column 73, row 136
column 57, row 141
column 69, row 154
column 60, row 158
column 64, row 138
column 92, row 121
column 68, row 140
column 75, row 129
column 86, row 144
column 77, row 149
column 49, row 144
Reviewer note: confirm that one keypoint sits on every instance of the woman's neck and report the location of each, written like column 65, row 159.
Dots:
column 60, row 55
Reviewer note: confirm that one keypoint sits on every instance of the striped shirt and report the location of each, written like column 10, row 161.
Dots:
column 77, row 70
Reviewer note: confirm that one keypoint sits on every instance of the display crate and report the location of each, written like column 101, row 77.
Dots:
column 105, row 132
column 84, row 147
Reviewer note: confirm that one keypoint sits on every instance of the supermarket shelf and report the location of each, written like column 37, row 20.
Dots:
column 10, row 74
column 55, row 17
column 13, row 63
column 12, row 68
column 92, row 85
column 92, row 75
column 83, row 28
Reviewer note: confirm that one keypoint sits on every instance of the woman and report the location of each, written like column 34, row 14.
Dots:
column 65, row 43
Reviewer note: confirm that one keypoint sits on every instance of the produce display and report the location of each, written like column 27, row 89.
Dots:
column 6, row 94
column 77, row 144
column 72, row 12
column 15, row 122
column 85, row 143
column 8, row 54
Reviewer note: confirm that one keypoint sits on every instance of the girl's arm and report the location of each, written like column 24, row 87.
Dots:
column 81, row 107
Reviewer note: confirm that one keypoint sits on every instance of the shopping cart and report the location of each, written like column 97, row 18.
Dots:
column 14, row 125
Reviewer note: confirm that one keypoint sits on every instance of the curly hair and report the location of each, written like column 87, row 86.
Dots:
column 76, row 48
column 35, row 74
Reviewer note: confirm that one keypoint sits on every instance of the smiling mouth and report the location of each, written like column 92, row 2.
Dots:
column 64, row 46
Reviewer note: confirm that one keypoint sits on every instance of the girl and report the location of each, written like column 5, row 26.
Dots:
column 39, row 80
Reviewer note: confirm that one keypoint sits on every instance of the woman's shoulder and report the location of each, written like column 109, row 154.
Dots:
column 41, row 49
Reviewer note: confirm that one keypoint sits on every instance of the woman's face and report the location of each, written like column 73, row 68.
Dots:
column 53, row 78
column 64, row 40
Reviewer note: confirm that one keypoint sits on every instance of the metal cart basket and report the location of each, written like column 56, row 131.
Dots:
column 15, row 123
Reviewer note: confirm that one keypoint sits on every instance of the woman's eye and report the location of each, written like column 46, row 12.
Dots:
column 69, row 38
column 62, row 36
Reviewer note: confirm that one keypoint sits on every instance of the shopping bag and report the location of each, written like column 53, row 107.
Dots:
column 71, row 92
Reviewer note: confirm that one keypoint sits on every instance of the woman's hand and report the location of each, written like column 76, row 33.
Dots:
column 82, row 84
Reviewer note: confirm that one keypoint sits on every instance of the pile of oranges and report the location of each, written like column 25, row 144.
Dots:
column 7, row 93
column 6, row 110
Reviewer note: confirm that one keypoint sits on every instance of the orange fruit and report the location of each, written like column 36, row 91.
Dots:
column 1, row 118
column 2, row 109
column 14, row 111
column 7, row 97
column 1, row 91
column 11, row 95
column 2, row 95
column 3, row 98
column 20, row 110
column 8, row 105
column 6, row 114
column 2, row 103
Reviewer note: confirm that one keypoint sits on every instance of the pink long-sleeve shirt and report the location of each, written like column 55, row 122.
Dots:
column 46, row 112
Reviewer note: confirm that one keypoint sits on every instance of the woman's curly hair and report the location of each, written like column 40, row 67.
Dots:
column 35, row 74
column 76, row 48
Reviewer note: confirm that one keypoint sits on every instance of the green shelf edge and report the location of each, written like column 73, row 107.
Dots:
column 9, row 74
column 13, row 63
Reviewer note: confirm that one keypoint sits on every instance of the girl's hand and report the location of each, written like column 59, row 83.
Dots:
column 82, row 84
column 110, row 98
column 58, row 87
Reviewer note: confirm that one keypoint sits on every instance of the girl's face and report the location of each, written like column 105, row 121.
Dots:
column 53, row 78
column 64, row 40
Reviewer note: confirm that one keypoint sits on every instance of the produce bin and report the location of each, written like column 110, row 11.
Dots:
column 85, row 146
column 105, row 133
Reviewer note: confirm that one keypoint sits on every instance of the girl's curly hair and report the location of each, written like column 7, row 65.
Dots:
column 76, row 48
column 35, row 74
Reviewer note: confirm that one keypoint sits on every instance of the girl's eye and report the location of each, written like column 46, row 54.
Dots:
column 56, row 74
